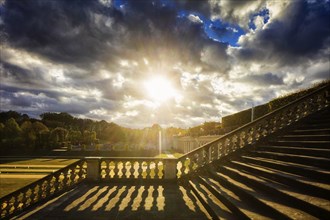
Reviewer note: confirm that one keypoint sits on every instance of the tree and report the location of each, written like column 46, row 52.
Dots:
column 2, row 130
column 74, row 136
column 58, row 135
column 12, row 129
column 12, row 135
column 28, row 134
column 42, row 134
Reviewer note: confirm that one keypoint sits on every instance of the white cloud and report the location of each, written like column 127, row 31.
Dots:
column 195, row 19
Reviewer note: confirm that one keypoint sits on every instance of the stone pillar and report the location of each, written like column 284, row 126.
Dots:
column 93, row 169
column 170, row 169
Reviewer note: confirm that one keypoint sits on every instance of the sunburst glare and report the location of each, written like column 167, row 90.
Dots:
column 160, row 89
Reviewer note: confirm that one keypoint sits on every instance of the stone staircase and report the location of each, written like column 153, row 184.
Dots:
column 287, row 177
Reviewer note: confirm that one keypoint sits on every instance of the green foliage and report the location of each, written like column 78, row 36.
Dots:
column 12, row 129
column 58, row 135
column 55, row 129
column 288, row 98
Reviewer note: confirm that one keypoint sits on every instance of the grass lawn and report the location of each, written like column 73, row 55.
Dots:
column 163, row 155
column 30, row 162
column 12, row 182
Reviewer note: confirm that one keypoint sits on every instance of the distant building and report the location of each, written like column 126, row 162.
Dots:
column 187, row 143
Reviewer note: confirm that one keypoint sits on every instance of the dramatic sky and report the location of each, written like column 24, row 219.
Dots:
column 172, row 62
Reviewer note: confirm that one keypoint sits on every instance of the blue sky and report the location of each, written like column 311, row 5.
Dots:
column 176, row 63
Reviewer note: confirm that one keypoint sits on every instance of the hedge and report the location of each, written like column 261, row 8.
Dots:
column 243, row 117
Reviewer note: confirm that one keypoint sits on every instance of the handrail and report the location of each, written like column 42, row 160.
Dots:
column 42, row 189
column 253, row 131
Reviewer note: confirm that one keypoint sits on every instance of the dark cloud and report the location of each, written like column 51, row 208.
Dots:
column 303, row 33
column 90, row 58
column 264, row 79
column 65, row 31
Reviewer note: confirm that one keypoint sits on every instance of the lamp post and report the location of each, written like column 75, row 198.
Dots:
column 160, row 141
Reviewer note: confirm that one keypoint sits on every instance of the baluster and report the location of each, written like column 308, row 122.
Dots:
column 61, row 181
column 161, row 169
column 80, row 172
column 84, row 170
column 19, row 199
column 10, row 206
column 103, row 168
column 116, row 169
column 66, row 175
column 148, row 170
column 140, row 169
column 212, row 154
column 152, row 173
column 202, row 156
column 123, row 169
column 242, row 139
column 53, row 182
column 195, row 159
column 69, row 177
column 73, row 176
column 220, row 149
column 132, row 170
column 112, row 167
column 144, row 173
column 28, row 194
column 37, row 193
column 226, row 144
column 48, row 187
column 179, row 167
column 34, row 194
column 13, row 202
column 250, row 135
column 235, row 142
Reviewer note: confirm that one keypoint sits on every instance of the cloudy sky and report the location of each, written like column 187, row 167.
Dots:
column 172, row 62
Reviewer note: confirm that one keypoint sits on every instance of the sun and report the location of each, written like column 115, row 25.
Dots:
column 159, row 89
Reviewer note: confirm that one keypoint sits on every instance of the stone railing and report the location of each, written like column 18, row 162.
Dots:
column 252, row 132
column 43, row 189
column 130, row 168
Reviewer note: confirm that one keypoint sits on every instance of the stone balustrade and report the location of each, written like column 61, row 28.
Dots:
column 147, row 168
column 254, row 131
column 43, row 189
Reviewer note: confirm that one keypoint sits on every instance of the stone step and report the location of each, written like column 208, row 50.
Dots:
column 305, row 137
column 281, row 178
column 276, row 207
column 207, row 203
column 304, row 151
column 300, row 171
column 310, row 131
column 311, row 125
column 237, row 213
column 214, row 207
column 298, row 143
column 250, row 204
column 304, row 160
column 266, row 189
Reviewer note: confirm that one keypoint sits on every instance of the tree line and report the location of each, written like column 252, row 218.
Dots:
column 19, row 132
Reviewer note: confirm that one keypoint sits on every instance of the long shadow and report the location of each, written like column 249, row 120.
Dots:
column 124, row 201
column 222, row 213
